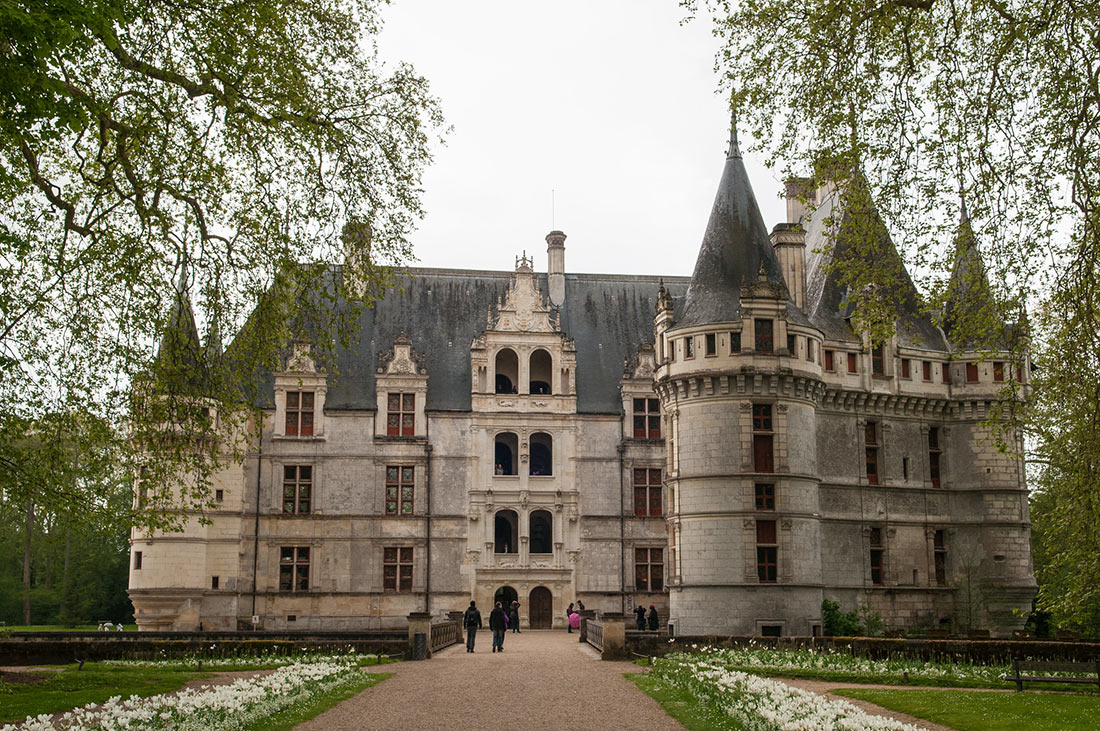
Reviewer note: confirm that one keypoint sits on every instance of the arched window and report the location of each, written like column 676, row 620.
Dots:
column 542, row 369
column 504, row 455
column 542, row 532
column 542, row 454
column 506, row 532
column 507, row 371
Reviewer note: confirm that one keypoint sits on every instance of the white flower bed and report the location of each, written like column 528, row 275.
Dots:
column 759, row 704
column 262, row 660
column 841, row 663
column 232, row 706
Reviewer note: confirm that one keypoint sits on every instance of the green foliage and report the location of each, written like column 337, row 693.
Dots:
column 977, row 710
column 838, row 623
column 682, row 705
column 163, row 155
column 94, row 684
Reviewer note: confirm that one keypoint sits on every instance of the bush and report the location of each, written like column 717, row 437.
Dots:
column 839, row 623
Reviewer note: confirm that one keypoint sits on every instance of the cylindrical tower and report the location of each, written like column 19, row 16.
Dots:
column 739, row 389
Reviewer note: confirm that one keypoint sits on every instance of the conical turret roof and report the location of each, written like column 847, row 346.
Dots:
column 179, row 354
column 735, row 248
column 970, row 312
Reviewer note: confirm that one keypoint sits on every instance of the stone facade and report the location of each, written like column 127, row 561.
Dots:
column 733, row 461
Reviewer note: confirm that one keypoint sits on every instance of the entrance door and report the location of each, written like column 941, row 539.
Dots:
column 505, row 595
column 541, row 607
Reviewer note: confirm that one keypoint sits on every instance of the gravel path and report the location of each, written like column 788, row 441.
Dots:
column 543, row 681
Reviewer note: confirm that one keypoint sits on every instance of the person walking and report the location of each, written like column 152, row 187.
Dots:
column 498, row 623
column 471, row 620
column 513, row 616
column 653, row 619
column 639, row 612
column 568, row 614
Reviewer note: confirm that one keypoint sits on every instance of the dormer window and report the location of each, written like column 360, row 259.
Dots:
column 647, row 418
column 299, row 413
column 735, row 341
column 712, row 343
column 400, row 414
column 765, row 336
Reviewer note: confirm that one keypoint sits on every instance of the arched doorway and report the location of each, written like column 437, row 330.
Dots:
column 505, row 595
column 541, row 608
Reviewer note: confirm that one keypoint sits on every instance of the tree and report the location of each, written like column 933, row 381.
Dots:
column 936, row 108
column 160, row 153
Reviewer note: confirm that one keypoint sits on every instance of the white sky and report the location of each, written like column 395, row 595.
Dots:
column 611, row 104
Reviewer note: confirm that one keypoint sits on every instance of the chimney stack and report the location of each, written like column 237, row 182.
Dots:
column 555, row 266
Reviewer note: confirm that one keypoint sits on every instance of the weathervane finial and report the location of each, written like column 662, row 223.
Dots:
column 735, row 149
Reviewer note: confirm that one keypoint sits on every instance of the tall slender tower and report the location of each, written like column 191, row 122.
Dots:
column 736, row 378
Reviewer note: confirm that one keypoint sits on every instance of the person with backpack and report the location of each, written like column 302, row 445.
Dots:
column 471, row 620
column 498, row 623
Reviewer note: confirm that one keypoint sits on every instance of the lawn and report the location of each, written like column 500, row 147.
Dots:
column 318, row 704
column 681, row 705
column 96, row 683
column 974, row 710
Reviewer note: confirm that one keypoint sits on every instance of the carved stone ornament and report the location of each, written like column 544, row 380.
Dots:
column 473, row 514
column 523, row 308
column 300, row 360
column 642, row 363
column 472, row 556
column 571, row 513
column 401, row 359
column 749, row 522
column 574, row 556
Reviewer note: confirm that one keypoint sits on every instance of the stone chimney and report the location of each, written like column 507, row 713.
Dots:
column 801, row 196
column 555, row 266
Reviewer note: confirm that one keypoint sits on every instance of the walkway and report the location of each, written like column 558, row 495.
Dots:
column 543, row 680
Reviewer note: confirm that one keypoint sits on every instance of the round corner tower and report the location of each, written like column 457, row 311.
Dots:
column 739, row 376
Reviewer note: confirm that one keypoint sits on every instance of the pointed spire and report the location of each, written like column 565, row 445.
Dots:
column 735, row 249
column 734, row 148
column 969, row 308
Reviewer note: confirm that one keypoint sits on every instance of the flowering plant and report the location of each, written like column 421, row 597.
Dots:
column 236, row 705
column 759, row 704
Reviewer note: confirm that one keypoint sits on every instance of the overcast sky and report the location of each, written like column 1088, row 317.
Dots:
column 610, row 104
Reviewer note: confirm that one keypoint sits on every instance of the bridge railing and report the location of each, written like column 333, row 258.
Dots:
column 445, row 634
column 594, row 633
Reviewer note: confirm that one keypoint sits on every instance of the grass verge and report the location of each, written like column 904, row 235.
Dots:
column 693, row 714
column 975, row 711
column 72, row 688
column 62, row 628
column 318, row 704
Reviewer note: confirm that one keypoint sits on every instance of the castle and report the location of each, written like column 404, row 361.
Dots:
column 728, row 448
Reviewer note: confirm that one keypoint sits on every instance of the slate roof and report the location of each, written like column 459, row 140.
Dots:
column 827, row 302
column 734, row 247
column 969, row 304
column 443, row 310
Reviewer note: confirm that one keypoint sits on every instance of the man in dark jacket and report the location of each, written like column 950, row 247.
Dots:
column 639, row 613
column 471, row 620
column 653, row 619
column 498, row 623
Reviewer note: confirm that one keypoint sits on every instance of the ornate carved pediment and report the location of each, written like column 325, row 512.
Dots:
column 300, row 360
column 401, row 360
column 642, row 363
column 762, row 288
column 523, row 308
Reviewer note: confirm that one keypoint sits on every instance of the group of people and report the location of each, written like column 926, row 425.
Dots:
column 573, row 616
column 107, row 627
column 499, row 622
column 643, row 618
